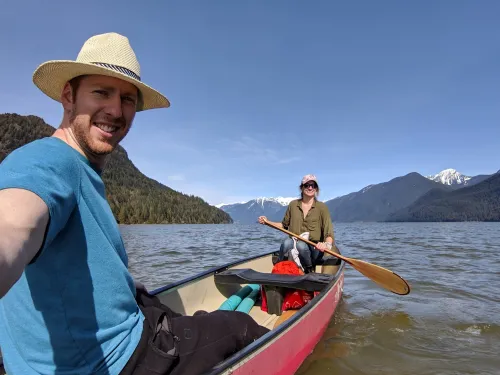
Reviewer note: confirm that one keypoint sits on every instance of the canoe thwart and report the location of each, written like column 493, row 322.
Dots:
column 325, row 261
column 311, row 282
column 328, row 261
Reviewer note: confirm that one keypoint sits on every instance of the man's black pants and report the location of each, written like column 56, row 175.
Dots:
column 175, row 344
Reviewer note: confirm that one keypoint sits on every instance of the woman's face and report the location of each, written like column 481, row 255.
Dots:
column 310, row 188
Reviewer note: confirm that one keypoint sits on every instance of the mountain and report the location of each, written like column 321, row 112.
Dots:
column 376, row 202
column 450, row 177
column 456, row 179
column 477, row 179
column 134, row 198
column 479, row 202
column 248, row 212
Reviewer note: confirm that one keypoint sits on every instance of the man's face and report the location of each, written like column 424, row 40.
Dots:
column 101, row 112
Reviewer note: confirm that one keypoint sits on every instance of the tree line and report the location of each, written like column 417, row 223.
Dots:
column 480, row 202
column 134, row 198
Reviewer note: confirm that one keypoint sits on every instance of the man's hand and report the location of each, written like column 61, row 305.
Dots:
column 262, row 219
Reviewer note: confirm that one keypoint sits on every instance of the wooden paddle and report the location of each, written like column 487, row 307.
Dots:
column 383, row 277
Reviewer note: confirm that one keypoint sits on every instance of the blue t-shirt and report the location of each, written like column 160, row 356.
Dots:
column 73, row 310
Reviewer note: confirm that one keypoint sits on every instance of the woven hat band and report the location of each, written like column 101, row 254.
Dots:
column 120, row 69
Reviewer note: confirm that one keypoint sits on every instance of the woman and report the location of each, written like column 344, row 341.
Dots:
column 307, row 214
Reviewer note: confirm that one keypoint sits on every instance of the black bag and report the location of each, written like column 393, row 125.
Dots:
column 175, row 344
column 158, row 348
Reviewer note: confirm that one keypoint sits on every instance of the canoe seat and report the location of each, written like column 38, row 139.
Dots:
column 329, row 260
column 311, row 282
column 329, row 265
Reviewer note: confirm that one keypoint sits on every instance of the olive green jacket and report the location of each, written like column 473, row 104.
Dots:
column 317, row 222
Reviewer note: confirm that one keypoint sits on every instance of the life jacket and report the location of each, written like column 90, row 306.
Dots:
column 293, row 298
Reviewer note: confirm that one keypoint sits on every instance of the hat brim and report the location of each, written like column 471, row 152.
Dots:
column 313, row 180
column 50, row 78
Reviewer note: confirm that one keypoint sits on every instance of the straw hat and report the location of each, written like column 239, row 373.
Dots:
column 105, row 54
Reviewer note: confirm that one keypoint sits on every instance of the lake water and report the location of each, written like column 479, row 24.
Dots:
column 448, row 324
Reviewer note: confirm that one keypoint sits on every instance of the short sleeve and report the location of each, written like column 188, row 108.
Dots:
column 49, row 171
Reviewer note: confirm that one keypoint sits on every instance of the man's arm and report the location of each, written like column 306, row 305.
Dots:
column 23, row 220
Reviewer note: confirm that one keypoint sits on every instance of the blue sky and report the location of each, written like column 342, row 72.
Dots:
column 264, row 92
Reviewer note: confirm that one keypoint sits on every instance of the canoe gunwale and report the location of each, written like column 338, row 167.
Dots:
column 208, row 272
column 273, row 334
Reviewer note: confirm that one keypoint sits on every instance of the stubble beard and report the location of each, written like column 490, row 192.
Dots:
column 81, row 132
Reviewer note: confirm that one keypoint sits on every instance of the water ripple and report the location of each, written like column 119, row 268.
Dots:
column 448, row 324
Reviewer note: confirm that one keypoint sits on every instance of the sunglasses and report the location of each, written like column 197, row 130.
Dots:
column 310, row 185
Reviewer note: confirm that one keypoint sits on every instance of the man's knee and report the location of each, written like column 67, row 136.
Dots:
column 241, row 325
column 250, row 330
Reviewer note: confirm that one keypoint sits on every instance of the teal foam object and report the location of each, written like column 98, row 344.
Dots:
column 247, row 304
column 234, row 301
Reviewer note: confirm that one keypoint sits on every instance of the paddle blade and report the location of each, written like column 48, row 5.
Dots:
column 383, row 277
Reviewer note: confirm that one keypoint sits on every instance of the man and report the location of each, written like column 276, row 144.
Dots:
column 68, row 303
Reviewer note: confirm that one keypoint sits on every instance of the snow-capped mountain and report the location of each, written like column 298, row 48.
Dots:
column 450, row 177
column 248, row 212
column 220, row 205
column 456, row 179
column 375, row 202
column 280, row 200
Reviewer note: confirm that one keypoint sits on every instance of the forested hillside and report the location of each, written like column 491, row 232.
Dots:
column 133, row 197
column 376, row 202
column 480, row 202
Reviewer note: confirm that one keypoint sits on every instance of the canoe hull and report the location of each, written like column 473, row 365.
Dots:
column 282, row 350
column 288, row 350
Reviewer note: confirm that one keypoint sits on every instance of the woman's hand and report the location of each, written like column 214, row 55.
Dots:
column 322, row 246
column 262, row 219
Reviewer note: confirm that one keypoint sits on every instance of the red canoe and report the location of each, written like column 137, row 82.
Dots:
column 294, row 333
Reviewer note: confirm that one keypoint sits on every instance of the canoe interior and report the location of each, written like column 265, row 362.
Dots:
column 202, row 293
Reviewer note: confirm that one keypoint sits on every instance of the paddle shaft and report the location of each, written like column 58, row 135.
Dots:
column 381, row 276
column 345, row 259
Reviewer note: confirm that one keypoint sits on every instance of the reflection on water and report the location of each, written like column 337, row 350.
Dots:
column 449, row 324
